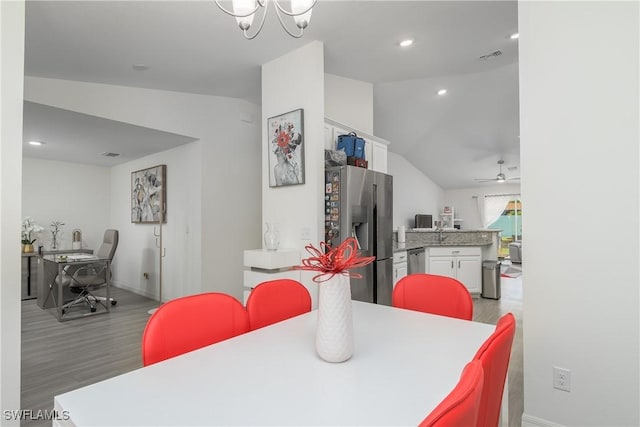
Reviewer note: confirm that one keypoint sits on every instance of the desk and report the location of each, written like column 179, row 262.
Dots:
column 28, row 275
column 31, row 283
column 404, row 364
column 53, row 295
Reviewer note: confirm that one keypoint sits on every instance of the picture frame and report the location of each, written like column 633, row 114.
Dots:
column 285, row 142
column 149, row 195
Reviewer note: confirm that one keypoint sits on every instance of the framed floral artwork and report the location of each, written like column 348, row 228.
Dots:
column 285, row 142
column 149, row 195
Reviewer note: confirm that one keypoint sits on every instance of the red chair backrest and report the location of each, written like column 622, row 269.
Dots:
column 433, row 294
column 277, row 300
column 460, row 407
column 188, row 323
column 494, row 355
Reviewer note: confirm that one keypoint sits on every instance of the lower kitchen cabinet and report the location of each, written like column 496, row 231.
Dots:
column 462, row 263
column 399, row 266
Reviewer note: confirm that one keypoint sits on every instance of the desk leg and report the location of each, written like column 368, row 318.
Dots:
column 59, row 302
column 108, row 276
column 29, row 276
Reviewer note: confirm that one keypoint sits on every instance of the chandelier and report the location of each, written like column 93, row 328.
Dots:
column 245, row 10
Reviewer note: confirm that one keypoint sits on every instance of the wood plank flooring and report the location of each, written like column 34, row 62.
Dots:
column 59, row 357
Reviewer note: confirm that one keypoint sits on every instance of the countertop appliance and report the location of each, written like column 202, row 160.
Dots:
column 423, row 221
column 359, row 203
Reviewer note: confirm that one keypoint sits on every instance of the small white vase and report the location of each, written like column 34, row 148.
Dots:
column 334, row 334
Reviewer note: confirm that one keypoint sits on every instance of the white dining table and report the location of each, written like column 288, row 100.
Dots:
column 404, row 364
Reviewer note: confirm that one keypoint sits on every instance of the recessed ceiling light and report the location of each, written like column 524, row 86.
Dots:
column 140, row 67
column 514, row 36
column 442, row 92
column 406, row 43
column 37, row 143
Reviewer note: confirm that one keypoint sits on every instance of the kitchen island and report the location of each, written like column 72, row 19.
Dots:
column 454, row 253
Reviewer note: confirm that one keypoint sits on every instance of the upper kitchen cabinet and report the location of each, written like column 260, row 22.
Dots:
column 375, row 148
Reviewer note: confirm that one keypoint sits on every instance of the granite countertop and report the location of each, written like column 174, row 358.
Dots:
column 399, row 247
column 426, row 238
column 451, row 230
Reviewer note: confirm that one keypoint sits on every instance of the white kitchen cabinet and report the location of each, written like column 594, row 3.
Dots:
column 399, row 266
column 329, row 139
column 378, row 157
column 462, row 263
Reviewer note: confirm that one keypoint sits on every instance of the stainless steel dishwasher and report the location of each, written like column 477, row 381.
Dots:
column 416, row 261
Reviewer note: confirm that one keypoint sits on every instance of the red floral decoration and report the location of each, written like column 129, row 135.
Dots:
column 283, row 139
column 330, row 261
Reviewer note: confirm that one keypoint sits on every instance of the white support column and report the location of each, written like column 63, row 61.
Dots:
column 11, row 95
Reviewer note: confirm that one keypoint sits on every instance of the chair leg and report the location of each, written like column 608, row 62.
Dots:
column 104, row 299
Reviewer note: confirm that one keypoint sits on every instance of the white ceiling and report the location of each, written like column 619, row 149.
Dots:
column 194, row 47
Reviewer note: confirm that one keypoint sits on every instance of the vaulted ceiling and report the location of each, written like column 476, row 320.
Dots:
column 194, row 47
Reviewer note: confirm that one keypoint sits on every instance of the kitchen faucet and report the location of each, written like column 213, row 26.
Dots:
column 441, row 236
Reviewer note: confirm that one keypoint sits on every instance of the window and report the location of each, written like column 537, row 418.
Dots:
column 504, row 212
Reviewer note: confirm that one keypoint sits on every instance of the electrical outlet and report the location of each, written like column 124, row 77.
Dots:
column 561, row 379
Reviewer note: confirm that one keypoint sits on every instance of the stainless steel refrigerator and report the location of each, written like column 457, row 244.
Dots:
column 359, row 203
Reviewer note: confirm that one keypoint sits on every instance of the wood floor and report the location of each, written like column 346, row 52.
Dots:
column 59, row 357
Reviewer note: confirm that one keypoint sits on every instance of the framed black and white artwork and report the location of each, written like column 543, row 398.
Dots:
column 149, row 195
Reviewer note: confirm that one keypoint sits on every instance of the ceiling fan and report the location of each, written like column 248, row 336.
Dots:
column 501, row 177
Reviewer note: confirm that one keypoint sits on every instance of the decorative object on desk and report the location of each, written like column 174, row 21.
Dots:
column 28, row 228
column 285, row 136
column 55, row 230
column 76, row 239
column 334, row 333
column 272, row 237
column 149, row 195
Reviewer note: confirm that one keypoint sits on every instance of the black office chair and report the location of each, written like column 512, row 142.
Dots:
column 84, row 280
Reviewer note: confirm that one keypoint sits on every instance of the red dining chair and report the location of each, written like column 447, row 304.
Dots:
column 188, row 323
column 433, row 294
column 460, row 407
column 277, row 300
column 494, row 355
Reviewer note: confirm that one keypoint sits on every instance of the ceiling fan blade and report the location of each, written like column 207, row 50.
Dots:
column 484, row 180
column 514, row 178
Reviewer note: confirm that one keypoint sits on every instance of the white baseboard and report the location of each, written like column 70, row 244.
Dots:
column 144, row 293
column 531, row 421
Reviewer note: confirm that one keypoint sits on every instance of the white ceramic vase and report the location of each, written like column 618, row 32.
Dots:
column 334, row 334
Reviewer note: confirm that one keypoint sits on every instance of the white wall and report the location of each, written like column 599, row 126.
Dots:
column 579, row 136
column 137, row 253
column 349, row 102
column 225, row 175
column 413, row 192
column 296, row 80
column 78, row 195
column 465, row 202
column 11, row 87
